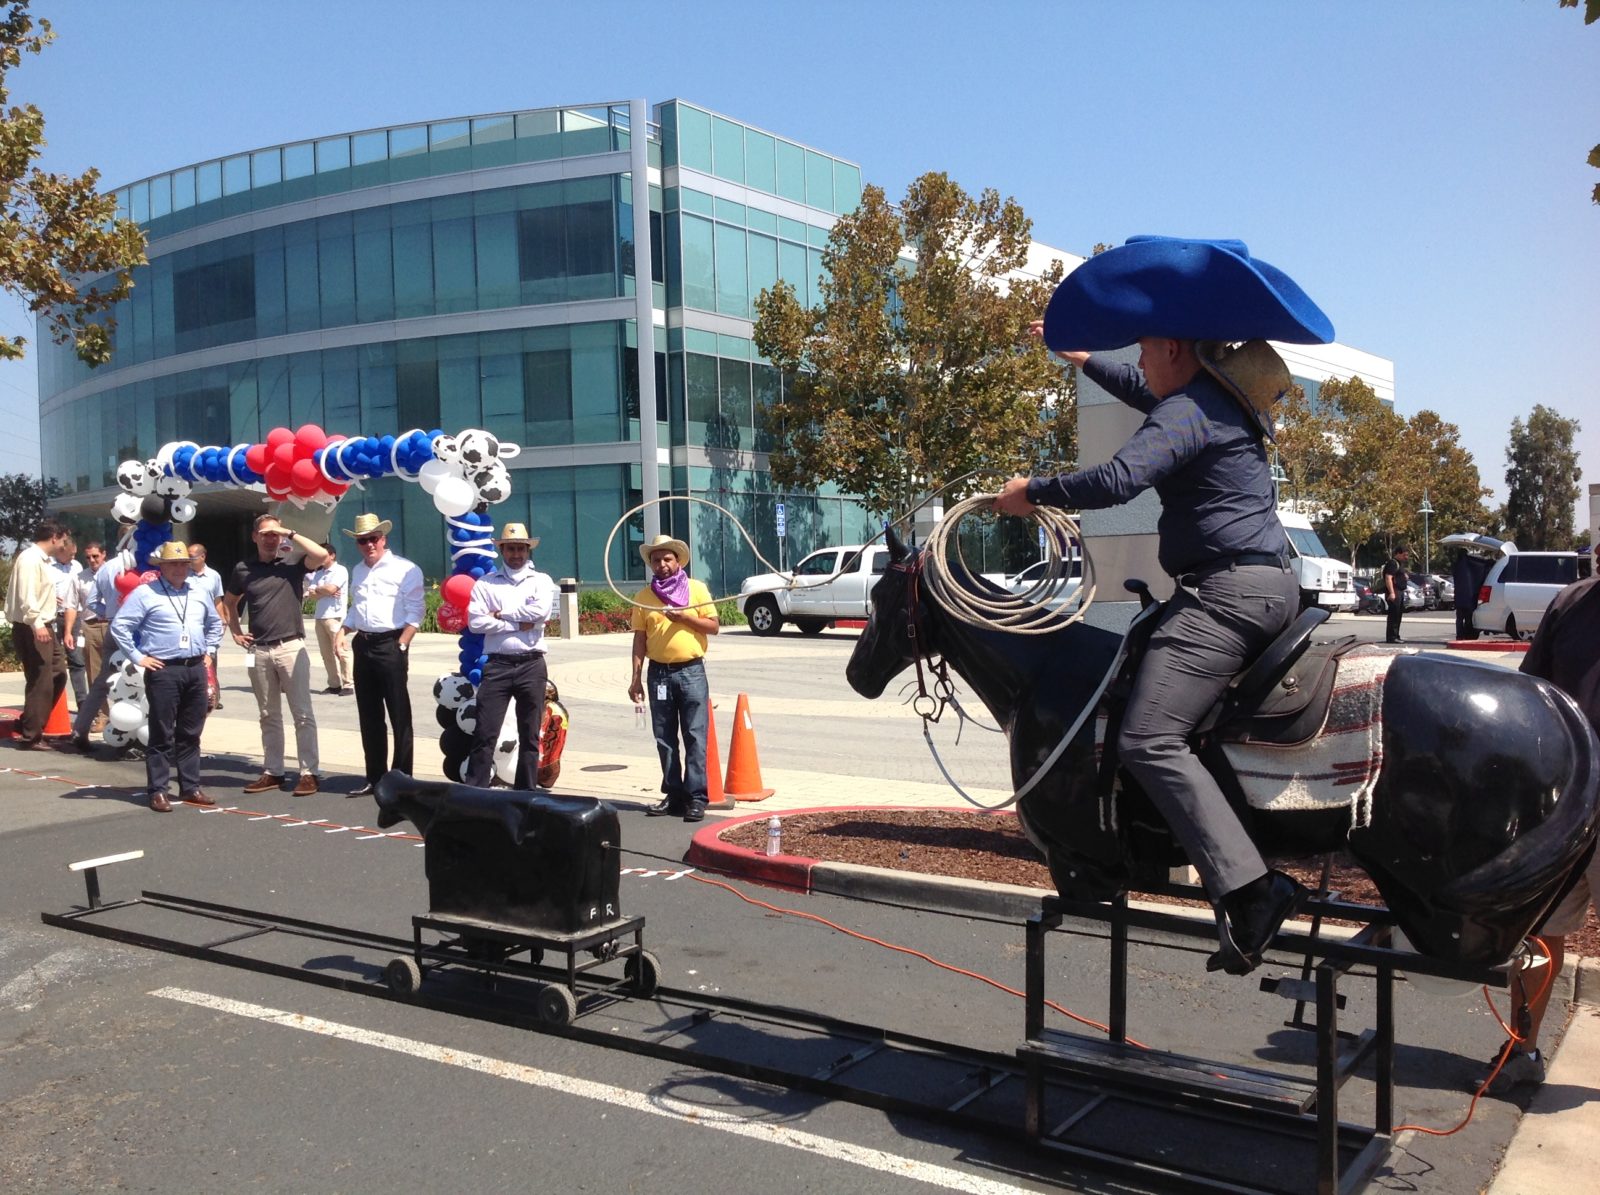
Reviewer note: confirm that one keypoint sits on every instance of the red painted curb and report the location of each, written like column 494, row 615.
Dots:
column 1502, row 645
column 793, row 872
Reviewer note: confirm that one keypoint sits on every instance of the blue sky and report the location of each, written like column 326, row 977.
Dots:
column 1417, row 168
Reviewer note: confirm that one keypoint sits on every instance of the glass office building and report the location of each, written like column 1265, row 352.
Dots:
column 490, row 271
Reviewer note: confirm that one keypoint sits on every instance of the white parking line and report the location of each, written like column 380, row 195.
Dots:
column 618, row 1097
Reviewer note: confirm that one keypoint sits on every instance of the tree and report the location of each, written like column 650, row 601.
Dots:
column 1542, row 476
column 916, row 367
column 56, row 231
column 23, row 500
column 1430, row 463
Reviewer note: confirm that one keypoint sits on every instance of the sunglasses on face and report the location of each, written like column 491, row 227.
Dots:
column 365, row 540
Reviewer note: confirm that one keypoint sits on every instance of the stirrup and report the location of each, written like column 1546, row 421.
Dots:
column 1228, row 957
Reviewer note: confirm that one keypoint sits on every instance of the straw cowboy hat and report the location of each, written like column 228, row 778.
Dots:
column 171, row 552
column 665, row 543
column 517, row 533
column 368, row 524
column 1182, row 290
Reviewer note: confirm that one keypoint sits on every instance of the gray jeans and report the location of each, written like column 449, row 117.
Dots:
column 1215, row 625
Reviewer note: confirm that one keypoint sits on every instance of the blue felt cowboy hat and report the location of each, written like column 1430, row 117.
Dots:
column 1182, row 289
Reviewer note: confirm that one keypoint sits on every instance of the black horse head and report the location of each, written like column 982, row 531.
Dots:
column 888, row 645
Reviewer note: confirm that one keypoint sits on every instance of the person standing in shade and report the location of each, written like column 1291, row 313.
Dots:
column 31, row 607
column 670, row 626
column 106, row 602
column 208, row 581
column 328, row 585
column 272, row 589
column 64, row 564
column 385, row 613
column 509, row 607
column 171, row 627
column 1395, row 577
column 91, row 626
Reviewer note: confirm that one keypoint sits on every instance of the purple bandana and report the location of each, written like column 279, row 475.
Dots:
column 674, row 591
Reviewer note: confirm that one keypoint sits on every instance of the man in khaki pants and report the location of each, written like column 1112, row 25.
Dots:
column 329, row 585
column 273, row 590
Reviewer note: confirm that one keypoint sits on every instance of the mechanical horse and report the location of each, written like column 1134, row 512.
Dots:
column 1469, row 793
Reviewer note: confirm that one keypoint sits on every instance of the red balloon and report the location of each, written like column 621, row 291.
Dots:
column 255, row 458
column 309, row 438
column 284, row 454
column 149, row 575
column 334, row 489
column 304, row 478
column 127, row 582
column 451, row 619
column 277, row 436
column 457, row 591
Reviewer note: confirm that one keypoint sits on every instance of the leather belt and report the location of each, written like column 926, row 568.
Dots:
column 187, row 661
column 697, row 661
column 378, row 634
column 515, row 657
column 274, row 642
column 1242, row 560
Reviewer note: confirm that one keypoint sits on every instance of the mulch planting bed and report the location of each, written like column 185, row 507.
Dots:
column 991, row 847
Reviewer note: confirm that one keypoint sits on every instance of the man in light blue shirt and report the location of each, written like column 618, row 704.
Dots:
column 170, row 626
column 104, row 600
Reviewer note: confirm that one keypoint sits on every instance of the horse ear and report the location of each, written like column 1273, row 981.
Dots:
column 897, row 548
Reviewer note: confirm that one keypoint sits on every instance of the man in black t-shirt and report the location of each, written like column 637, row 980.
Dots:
column 273, row 591
column 1394, row 589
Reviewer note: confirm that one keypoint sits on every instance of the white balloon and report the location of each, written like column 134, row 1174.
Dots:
column 452, row 690
column 143, row 733
column 113, row 737
column 446, row 449
column 467, row 717
column 493, row 484
column 454, row 496
column 507, row 748
column 123, row 689
column 183, row 510
column 136, row 477
column 432, row 473
column 125, row 507
column 478, row 447
column 126, row 716
column 505, row 766
column 172, row 486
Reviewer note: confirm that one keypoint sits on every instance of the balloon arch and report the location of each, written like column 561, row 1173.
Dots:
column 465, row 473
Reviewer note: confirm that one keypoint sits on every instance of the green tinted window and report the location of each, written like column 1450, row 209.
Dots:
column 819, row 180
column 733, row 292
column 846, row 187
column 727, row 145
column 791, row 172
column 699, row 276
column 694, row 138
column 763, row 264
column 760, row 161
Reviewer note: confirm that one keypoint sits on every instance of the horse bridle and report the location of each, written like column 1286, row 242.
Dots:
column 928, row 706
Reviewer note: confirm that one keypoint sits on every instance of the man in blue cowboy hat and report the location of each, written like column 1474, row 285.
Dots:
column 170, row 627
column 1201, row 449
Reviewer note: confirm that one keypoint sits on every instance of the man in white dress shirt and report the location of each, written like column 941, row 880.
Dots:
column 64, row 565
column 509, row 607
column 328, row 585
column 208, row 581
column 386, row 608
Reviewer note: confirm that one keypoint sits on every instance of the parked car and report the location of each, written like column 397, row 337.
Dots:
column 1368, row 599
column 1445, row 589
column 1520, row 585
column 1034, row 573
column 830, row 583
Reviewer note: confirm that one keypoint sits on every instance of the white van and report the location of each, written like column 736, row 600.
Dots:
column 1324, row 581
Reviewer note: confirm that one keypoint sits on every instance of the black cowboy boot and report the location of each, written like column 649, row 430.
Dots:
column 1249, row 918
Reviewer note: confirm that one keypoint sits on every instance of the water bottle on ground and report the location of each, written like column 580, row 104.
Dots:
column 774, row 837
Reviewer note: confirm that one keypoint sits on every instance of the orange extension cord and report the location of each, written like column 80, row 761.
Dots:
column 1511, row 1035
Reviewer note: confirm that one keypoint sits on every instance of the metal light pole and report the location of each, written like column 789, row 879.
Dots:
column 1425, row 510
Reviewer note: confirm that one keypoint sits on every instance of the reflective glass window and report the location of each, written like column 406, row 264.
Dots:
column 219, row 293
column 539, row 134
column 450, row 134
column 458, row 382
column 266, row 167
column 596, row 383
column 761, row 221
column 139, row 202
column 300, row 277
column 764, row 393
column 696, row 201
column 817, row 237
column 763, row 264
column 376, row 369
column 738, row 347
column 374, row 266
column 161, row 196
column 333, row 154
column 846, row 187
column 208, row 182
column 182, row 189
column 819, row 180
column 495, row 238
column 341, row 390
column 697, row 340
column 305, row 389
column 413, row 139
column 336, row 270
column 585, row 131
column 271, row 315
column 792, row 269
column 791, row 172
column 793, row 230
column 299, row 160
column 455, row 279
column 700, row 396
column 694, row 138
column 236, row 174
column 737, row 429
column 760, row 161
column 814, row 273
column 416, row 379
column 493, row 128
column 369, row 147
column 733, row 290
column 727, row 149
column 730, row 211
column 413, row 260
column 547, row 384
column 272, row 392
column 699, row 275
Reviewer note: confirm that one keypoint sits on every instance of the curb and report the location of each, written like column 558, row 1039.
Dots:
column 1495, row 645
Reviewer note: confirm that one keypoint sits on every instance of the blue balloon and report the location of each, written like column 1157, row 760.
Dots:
column 476, row 676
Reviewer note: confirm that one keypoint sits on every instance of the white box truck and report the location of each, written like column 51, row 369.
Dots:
column 1324, row 581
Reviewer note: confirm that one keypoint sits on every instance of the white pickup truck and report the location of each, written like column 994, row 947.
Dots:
column 811, row 596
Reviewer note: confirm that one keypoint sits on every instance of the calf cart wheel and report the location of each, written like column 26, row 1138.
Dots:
column 403, row 976
column 557, row 1004
column 643, row 971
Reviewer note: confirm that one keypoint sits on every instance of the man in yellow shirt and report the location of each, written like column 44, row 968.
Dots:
column 669, row 628
column 31, row 608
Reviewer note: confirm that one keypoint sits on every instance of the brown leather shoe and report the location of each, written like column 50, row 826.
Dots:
column 198, row 797
column 266, row 782
column 159, row 802
column 307, row 785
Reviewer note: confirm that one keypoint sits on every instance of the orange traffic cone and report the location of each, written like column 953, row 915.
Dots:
column 58, row 725
column 716, row 796
column 744, row 769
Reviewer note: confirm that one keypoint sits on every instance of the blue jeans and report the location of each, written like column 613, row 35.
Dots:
column 683, row 711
